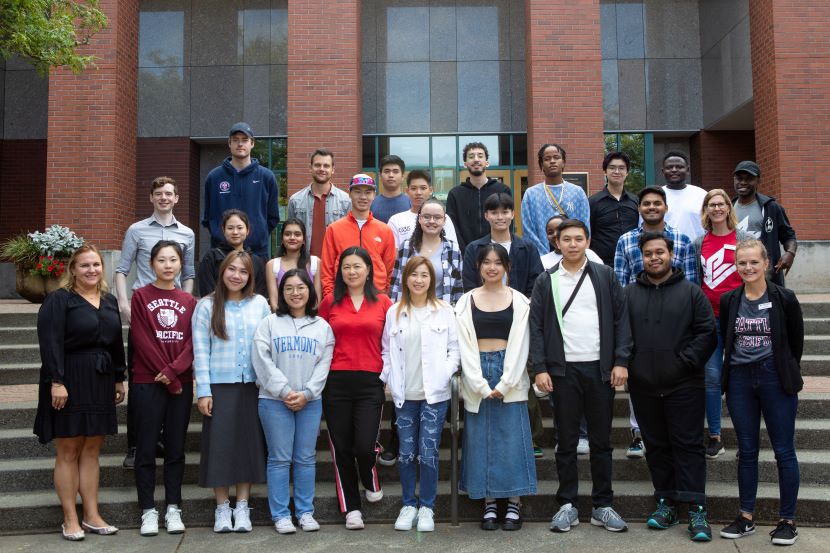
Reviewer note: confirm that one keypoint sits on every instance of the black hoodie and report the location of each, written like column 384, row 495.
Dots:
column 209, row 270
column 674, row 334
column 465, row 206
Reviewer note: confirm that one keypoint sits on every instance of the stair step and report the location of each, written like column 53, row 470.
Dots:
column 817, row 325
column 35, row 511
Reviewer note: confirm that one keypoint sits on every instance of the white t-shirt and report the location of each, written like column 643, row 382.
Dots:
column 684, row 210
column 414, row 377
column 552, row 258
column 403, row 225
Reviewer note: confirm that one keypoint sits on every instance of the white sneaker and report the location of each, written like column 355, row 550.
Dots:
column 285, row 526
column 222, row 518
column 150, row 523
column 242, row 517
column 582, row 447
column 374, row 497
column 426, row 522
column 354, row 520
column 173, row 520
column 308, row 524
column 406, row 517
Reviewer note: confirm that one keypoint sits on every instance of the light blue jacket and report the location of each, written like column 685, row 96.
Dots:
column 226, row 361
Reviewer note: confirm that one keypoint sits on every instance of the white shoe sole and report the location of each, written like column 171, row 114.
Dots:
column 568, row 529
column 597, row 522
column 149, row 533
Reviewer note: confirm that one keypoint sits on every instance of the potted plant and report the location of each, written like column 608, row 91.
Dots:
column 40, row 259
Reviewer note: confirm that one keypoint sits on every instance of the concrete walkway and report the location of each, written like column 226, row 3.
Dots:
column 468, row 538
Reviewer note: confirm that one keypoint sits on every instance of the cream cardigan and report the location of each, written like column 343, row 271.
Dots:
column 514, row 383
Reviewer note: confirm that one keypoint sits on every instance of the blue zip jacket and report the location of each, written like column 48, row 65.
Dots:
column 252, row 190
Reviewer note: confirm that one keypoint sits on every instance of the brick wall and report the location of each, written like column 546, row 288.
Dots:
column 177, row 158
column 324, row 92
column 564, row 84
column 791, row 89
column 714, row 155
column 90, row 172
column 22, row 186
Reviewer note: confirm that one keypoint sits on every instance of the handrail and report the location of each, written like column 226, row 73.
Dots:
column 455, row 427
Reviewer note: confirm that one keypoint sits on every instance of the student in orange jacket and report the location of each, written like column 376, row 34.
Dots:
column 359, row 228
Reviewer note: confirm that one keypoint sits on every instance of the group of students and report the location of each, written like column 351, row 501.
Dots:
column 328, row 340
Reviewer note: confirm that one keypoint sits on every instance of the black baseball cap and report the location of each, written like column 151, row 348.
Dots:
column 242, row 127
column 750, row 167
column 651, row 190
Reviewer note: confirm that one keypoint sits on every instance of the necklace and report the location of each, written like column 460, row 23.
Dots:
column 552, row 199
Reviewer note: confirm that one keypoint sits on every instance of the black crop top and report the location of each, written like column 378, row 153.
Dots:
column 492, row 324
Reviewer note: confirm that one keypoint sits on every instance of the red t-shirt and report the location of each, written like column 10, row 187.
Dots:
column 357, row 334
column 161, row 335
column 717, row 257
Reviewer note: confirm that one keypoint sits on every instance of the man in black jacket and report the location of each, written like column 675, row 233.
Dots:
column 674, row 333
column 764, row 217
column 580, row 342
column 465, row 202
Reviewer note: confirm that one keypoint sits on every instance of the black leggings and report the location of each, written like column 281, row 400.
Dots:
column 352, row 406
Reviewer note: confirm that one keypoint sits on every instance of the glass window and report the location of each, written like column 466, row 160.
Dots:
column 161, row 39
column 443, row 151
column 414, row 150
column 491, row 141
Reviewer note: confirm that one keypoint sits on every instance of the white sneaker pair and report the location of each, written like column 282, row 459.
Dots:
column 306, row 522
column 236, row 520
column 172, row 521
column 408, row 514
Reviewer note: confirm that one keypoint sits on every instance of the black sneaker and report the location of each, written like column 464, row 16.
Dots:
column 738, row 529
column 388, row 458
column 699, row 529
column 490, row 519
column 784, row 534
column 513, row 517
column 715, row 449
column 129, row 459
column 663, row 516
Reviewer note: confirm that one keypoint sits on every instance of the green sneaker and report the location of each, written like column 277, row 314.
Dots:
column 699, row 529
column 663, row 516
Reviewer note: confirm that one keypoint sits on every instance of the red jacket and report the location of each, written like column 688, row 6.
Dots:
column 375, row 237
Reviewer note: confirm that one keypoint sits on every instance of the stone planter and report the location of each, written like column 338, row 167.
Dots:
column 34, row 287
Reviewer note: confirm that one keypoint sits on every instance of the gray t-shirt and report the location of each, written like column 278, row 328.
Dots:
column 437, row 266
column 750, row 218
column 414, row 370
column 753, row 335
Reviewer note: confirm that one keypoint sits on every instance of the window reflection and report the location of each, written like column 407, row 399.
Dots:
column 161, row 39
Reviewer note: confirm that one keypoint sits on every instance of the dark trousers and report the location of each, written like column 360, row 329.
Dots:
column 130, row 406
column 582, row 392
column 352, row 405
column 672, row 429
column 158, row 408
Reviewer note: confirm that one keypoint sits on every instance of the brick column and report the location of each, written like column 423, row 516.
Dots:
column 714, row 155
column 564, row 84
column 324, row 92
column 90, row 173
column 791, row 90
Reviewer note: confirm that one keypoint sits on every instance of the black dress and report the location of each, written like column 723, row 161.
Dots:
column 82, row 347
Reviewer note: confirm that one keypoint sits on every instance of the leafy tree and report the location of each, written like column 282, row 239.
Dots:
column 47, row 33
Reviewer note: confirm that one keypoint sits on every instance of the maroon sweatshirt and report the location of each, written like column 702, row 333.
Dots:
column 161, row 335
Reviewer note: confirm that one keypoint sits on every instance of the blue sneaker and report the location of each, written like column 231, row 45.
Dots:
column 663, row 516
column 699, row 529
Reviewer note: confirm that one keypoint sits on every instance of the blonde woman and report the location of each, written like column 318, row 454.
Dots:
column 81, row 382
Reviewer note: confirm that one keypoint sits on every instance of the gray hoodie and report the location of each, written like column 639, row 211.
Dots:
column 292, row 355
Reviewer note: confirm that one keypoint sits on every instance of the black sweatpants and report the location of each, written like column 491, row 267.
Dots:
column 156, row 407
column 583, row 392
column 352, row 406
column 672, row 429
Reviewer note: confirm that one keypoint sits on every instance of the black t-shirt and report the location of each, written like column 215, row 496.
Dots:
column 610, row 219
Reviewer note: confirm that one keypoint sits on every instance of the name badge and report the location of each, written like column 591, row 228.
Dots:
column 767, row 305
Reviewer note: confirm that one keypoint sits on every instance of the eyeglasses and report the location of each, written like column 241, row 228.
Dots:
column 617, row 168
column 428, row 218
column 299, row 289
column 716, row 206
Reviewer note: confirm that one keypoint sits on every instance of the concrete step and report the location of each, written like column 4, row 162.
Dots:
column 817, row 325
column 812, row 310
column 28, row 334
column 20, row 443
column 35, row 511
column 23, row 319
column 815, row 365
column 817, row 344
column 20, row 475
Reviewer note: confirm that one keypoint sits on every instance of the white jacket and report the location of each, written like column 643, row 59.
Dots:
column 439, row 352
column 514, row 382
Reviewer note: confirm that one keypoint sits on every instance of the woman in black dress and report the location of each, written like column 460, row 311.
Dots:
column 81, row 382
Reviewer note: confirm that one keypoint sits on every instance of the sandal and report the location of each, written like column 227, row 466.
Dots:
column 513, row 517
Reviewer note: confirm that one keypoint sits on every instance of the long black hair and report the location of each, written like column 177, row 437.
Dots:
column 340, row 288
column 304, row 259
column 282, row 305
column 501, row 252
column 418, row 234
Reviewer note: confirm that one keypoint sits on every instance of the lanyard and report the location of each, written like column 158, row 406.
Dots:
column 552, row 199
column 554, row 285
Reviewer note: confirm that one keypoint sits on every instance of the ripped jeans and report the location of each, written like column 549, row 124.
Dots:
column 419, row 431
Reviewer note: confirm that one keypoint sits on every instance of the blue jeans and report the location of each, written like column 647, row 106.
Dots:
column 419, row 432
column 753, row 390
column 712, row 375
column 292, row 440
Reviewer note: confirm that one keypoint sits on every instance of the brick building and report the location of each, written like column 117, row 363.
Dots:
column 721, row 80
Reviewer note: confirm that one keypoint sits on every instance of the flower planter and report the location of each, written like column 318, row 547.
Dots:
column 34, row 287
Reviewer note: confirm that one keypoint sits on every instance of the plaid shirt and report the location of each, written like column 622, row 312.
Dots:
column 628, row 259
column 450, row 288
column 226, row 361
